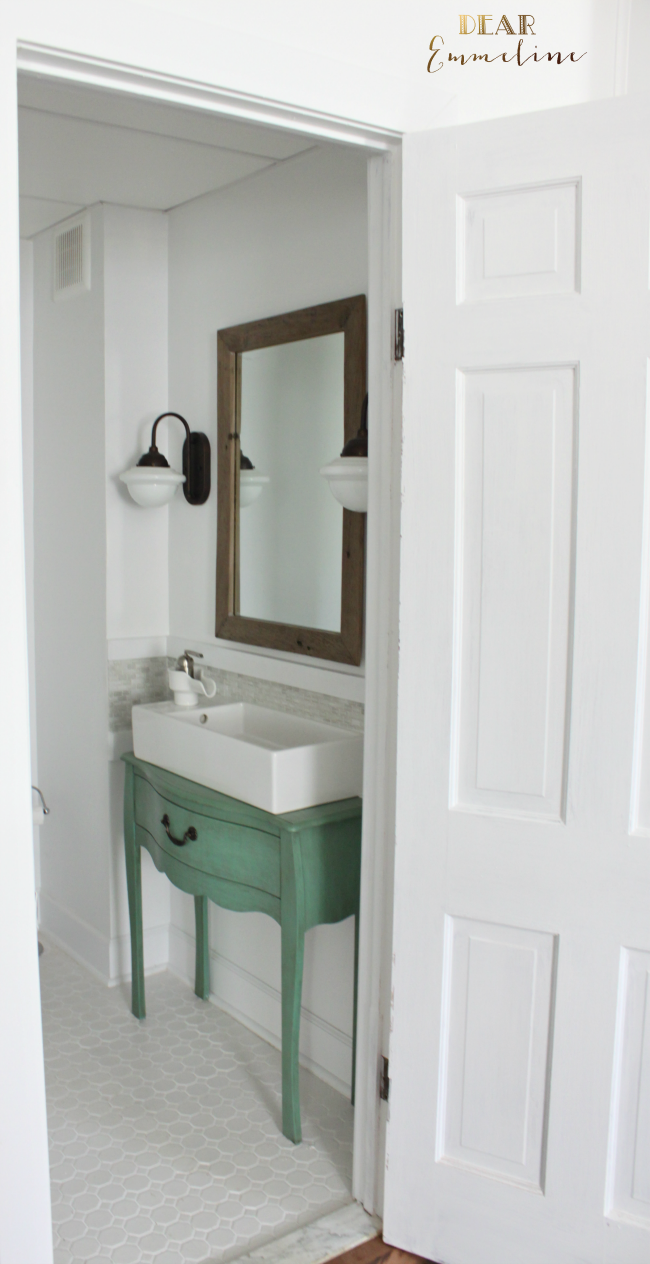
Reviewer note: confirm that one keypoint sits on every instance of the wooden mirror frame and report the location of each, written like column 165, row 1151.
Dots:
column 347, row 316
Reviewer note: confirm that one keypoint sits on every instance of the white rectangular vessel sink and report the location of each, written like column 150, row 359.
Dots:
column 275, row 761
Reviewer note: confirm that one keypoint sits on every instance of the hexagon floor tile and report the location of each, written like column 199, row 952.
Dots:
column 165, row 1141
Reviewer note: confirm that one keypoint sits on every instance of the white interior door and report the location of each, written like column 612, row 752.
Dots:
column 519, row 1128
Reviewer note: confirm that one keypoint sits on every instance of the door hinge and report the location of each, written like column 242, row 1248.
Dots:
column 399, row 333
column 384, row 1082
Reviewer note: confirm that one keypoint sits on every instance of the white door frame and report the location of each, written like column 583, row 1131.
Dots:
column 96, row 72
column 384, row 225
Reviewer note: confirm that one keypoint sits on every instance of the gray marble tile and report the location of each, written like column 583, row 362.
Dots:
column 234, row 687
column 135, row 680
column 341, row 1230
column 132, row 680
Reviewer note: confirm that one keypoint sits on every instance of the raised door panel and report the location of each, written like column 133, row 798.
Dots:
column 515, row 242
column 514, row 569
column 495, row 1056
column 628, row 1183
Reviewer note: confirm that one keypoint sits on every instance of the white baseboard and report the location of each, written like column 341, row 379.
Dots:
column 155, row 942
column 108, row 959
column 69, row 931
column 323, row 1048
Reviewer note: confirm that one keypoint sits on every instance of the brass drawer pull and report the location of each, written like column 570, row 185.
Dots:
column 188, row 837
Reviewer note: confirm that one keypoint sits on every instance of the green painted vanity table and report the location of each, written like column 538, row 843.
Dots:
column 302, row 868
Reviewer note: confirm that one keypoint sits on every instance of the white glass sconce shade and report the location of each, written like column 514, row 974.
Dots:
column 348, row 474
column 347, row 477
column 251, row 483
column 151, row 485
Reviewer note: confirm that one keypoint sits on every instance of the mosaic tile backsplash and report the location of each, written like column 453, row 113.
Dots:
column 232, row 687
column 133, row 680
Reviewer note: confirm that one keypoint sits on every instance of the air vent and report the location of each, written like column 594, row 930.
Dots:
column 72, row 258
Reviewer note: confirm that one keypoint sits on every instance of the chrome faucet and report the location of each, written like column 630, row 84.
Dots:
column 186, row 662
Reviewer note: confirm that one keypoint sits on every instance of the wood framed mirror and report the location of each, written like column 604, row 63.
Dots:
column 290, row 559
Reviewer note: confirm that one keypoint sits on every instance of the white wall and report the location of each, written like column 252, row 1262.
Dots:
column 135, row 314
column 70, row 595
column 287, row 238
column 634, row 44
column 357, row 61
column 27, row 402
column 137, row 585
column 100, row 568
column 25, row 1225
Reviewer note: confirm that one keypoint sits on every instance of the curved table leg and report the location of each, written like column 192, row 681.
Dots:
column 293, row 946
column 293, row 951
column 202, row 973
column 355, row 1006
column 134, row 888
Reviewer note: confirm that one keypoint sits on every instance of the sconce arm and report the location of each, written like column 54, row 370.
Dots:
column 161, row 418
column 196, row 460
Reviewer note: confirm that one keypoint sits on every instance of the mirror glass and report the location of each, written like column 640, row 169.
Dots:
column 291, row 422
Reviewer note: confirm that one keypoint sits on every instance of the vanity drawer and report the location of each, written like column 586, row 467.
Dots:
column 221, row 848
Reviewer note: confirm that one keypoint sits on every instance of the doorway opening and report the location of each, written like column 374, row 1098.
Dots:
column 192, row 222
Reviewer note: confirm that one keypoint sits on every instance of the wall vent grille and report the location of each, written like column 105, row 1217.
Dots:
column 72, row 259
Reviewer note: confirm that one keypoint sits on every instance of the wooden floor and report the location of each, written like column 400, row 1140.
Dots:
column 376, row 1252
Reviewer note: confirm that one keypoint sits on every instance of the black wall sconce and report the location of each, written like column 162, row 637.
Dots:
column 152, row 482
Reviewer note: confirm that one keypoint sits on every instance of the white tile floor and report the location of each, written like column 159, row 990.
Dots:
column 165, row 1138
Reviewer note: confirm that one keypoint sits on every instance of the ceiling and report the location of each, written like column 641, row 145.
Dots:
column 78, row 146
